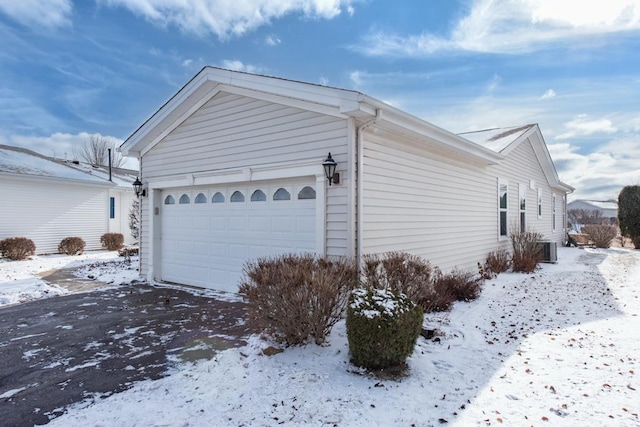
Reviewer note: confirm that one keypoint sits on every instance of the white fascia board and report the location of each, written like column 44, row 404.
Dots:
column 322, row 99
column 131, row 146
column 546, row 162
column 437, row 135
column 40, row 178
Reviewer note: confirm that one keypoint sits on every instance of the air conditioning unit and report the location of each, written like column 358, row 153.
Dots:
column 549, row 252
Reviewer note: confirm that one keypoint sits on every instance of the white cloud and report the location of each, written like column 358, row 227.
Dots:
column 514, row 26
column 581, row 125
column 549, row 94
column 226, row 18
column 356, row 79
column 272, row 40
column 495, row 82
column 602, row 173
column 324, row 81
column 236, row 65
column 50, row 14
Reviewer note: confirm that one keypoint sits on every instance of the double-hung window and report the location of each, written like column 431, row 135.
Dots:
column 522, row 204
column 503, row 204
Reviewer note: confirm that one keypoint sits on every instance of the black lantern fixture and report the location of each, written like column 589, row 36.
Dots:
column 329, row 166
column 137, row 187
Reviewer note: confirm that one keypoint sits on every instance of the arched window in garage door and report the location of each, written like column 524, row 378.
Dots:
column 169, row 200
column 307, row 193
column 237, row 197
column 184, row 200
column 258, row 196
column 281, row 194
column 217, row 198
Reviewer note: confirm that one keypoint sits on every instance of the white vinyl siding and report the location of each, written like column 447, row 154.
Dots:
column 429, row 206
column 521, row 165
column 232, row 131
column 51, row 210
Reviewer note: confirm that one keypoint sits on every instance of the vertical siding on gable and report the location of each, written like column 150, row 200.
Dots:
column 232, row 131
column 443, row 211
column 47, row 211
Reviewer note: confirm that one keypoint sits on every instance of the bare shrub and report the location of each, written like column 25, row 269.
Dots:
column 527, row 250
column 17, row 248
column 498, row 261
column 458, row 285
column 600, row 235
column 112, row 241
column 401, row 273
column 294, row 297
column 71, row 246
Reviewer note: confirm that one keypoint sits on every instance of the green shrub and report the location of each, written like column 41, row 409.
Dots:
column 112, row 241
column 17, row 248
column 71, row 246
column 600, row 235
column 460, row 285
column 382, row 328
column 527, row 251
column 401, row 273
column 629, row 213
column 294, row 297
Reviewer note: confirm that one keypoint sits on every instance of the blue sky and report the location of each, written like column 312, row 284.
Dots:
column 70, row 69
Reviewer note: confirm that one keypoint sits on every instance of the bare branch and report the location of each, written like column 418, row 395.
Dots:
column 95, row 151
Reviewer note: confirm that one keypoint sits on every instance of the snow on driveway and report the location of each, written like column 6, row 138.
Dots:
column 558, row 347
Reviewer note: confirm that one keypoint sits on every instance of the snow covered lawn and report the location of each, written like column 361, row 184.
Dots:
column 558, row 347
column 20, row 280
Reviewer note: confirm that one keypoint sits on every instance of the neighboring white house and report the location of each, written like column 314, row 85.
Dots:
column 46, row 200
column 232, row 166
column 608, row 209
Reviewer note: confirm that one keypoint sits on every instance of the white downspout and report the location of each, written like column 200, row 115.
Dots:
column 359, row 177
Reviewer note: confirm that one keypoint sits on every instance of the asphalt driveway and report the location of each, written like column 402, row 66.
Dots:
column 61, row 350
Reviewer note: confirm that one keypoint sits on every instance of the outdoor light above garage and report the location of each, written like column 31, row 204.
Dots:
column 330, row 170
column 137, row 187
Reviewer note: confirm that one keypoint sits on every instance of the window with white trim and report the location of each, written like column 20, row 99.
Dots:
column 553, row 210
column 201, row 198
column 539, row 203
column 503, row 209
column 522, row 205
column 281, row 194
column 169, row 200
column 184, row 200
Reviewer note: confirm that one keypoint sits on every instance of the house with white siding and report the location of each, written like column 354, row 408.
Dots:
column 232, row 168
column 46, row 199
column 606, row 209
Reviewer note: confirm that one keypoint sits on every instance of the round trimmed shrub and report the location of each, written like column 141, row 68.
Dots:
column 17, row 248
column 112, row 241
column 382, row 328
column 71, row 246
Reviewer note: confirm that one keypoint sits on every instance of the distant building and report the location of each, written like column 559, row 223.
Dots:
column 608, row 209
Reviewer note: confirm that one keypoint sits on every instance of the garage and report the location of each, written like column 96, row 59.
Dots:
column 208, row 233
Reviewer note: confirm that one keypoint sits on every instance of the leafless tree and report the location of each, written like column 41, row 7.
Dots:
column 134, row 219
column 95, row 151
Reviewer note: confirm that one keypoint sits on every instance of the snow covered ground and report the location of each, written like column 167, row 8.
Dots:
column 557, row 347
column 20, row 281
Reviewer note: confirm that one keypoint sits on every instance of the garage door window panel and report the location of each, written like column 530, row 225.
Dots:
column 237, row 197
column 184, row 199
column 200, row 198
column 281, row 194
column 307, row 193
column 169, row 200
column 218, row 198
column 258, row 196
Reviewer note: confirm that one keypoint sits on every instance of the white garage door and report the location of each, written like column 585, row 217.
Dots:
column 209, row 233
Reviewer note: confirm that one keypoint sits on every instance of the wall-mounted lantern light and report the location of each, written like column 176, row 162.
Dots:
column 137, row 187
column 330, row 170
